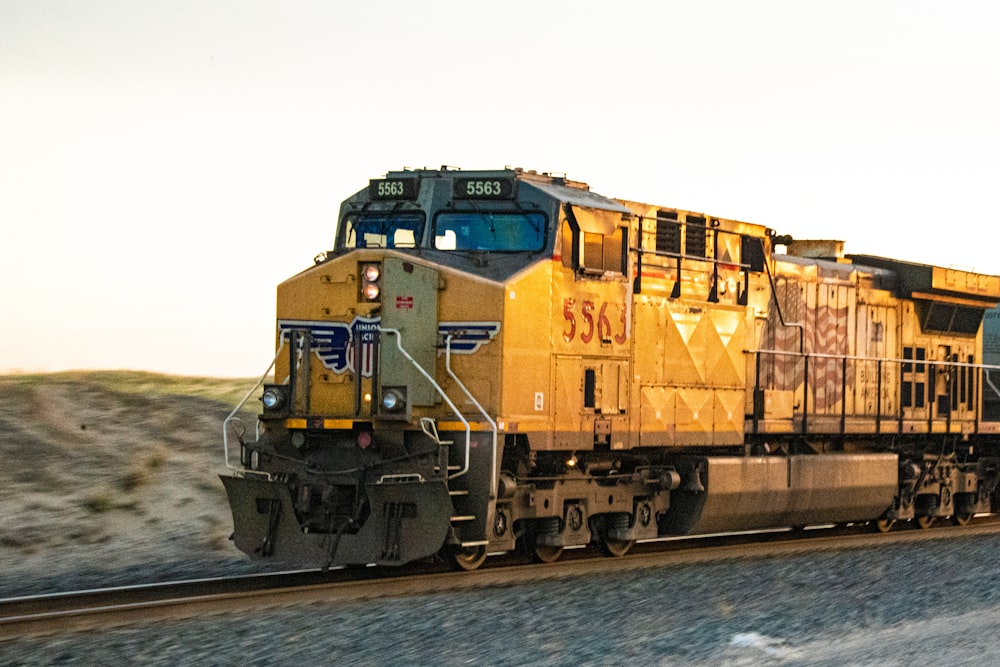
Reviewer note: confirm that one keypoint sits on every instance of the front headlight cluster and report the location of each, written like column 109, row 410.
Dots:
column 393, row 401
column 275, row 397
column 371, row 281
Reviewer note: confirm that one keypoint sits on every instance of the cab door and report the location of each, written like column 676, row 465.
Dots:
column 954, row 383
column 592, row 360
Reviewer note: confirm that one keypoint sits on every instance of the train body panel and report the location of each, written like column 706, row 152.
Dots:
column 494, row 358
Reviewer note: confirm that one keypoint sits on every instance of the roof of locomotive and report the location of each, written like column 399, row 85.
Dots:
column 936, row 282
column 575, row 193
column 578, row 197
column 906, row 279
column 840, row 270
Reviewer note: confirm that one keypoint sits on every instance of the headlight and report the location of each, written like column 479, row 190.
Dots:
column 392, row 400
column 370, row 281
column 273, row 398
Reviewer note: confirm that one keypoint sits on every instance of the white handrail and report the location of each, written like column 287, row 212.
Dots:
column 225, row 424
column 437, row 387
column 888, row 360
column 482, row 411
column 989, row 381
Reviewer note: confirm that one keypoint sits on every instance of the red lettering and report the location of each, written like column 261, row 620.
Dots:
column 588, row 308
column 568, row 314
column 602, row 326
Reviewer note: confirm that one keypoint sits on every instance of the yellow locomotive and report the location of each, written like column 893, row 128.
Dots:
column 489, row 360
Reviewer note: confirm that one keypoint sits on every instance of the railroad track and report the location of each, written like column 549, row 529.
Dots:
column 102, row 609
column 112, row 607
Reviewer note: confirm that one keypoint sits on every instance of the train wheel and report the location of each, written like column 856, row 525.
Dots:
column 884, row 525
column 545, row 554
column 961, row 519
column 531, row 540
column 616, row 548
column 925, row 521
column 467, row 558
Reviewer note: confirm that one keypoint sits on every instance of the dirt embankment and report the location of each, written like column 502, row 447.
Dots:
column 113, row 473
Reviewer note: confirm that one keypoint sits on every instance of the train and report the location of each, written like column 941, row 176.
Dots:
column 500, row 361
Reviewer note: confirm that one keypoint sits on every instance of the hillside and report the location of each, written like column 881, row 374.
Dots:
column 109, row 477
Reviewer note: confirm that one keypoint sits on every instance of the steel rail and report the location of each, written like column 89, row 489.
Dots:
column 108, row 607
column 104, row 609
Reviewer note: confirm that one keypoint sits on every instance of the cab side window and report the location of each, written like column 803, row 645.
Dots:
column 603, row 253
column 593, row 242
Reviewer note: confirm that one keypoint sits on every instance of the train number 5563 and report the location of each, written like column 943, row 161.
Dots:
column 589, row 326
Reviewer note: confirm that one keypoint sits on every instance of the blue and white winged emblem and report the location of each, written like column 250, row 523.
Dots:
column 333, row 342
column 339, row 345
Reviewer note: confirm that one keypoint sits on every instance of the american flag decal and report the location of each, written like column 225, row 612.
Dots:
column 825, row 333
column 364, row 335
column 339, row 344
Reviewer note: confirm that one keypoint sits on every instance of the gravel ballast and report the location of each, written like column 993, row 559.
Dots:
column 925, row 602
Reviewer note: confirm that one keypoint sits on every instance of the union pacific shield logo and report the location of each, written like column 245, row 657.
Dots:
column 335, row 343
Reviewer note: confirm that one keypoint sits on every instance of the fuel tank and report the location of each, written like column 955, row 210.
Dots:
column 750, row 493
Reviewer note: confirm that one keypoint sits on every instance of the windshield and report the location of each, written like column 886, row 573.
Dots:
column 486, row 230
column 383, row 230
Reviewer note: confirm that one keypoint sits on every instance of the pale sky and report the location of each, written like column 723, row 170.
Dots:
column 165, row 164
